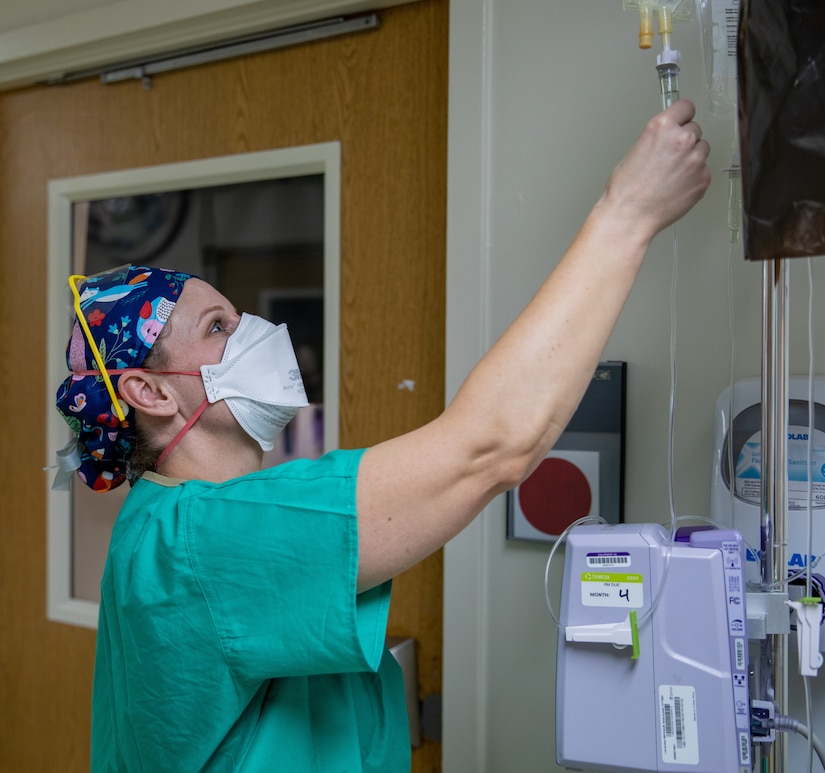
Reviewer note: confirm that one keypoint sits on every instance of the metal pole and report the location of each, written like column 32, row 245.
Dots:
column 774, row 484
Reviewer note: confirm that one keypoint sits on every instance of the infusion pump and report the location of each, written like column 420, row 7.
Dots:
column 666, row 691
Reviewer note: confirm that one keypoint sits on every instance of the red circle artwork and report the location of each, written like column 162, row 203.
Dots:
column 555, row 495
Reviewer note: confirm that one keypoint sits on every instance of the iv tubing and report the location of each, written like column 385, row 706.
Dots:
column 734, row 203
column 673, row 377
column 732, row 377
column 654, row 601
column 790, row 578
column 671, row 498
column 808, row 712
column 559, row 541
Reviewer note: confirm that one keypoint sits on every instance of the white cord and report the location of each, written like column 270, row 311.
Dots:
column 787, row 724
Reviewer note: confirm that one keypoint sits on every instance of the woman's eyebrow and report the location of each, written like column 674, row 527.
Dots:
column 209, row 311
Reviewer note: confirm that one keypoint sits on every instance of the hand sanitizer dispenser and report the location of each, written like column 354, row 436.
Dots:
column 736, row 477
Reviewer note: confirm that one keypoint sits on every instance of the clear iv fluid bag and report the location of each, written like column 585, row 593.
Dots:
column 718, row 22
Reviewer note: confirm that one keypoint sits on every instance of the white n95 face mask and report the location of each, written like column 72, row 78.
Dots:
column 258, row 378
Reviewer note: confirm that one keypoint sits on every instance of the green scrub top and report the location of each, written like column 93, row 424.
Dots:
column 231, row 637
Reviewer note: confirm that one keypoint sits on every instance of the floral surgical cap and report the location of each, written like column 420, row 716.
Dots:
column 125, row 310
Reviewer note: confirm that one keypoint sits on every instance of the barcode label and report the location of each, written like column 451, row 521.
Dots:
column 601, row 560
column 679, row 724
column 739, row 647
column 744, row 749
column 668, row 714
column 609, row 561
column 679, row 719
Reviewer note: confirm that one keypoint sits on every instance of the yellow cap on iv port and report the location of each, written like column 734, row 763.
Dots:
column 645, row 25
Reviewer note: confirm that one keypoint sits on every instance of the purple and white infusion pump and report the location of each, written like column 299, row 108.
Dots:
column 652, row 669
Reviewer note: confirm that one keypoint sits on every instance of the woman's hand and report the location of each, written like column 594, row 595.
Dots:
column 663, row 175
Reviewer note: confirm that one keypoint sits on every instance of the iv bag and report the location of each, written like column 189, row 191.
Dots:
column 718, row 23
column 781, row 72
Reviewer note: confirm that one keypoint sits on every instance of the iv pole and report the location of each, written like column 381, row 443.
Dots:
column 774, row 650
column 773, row 672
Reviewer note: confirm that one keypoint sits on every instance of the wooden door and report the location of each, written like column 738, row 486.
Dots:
column 383, row 95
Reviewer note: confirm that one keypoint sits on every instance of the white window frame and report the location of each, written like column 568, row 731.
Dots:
column 322, row 158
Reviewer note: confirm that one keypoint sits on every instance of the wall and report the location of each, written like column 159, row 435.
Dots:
column 546, row 97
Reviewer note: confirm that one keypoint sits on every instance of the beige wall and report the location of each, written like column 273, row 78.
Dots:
column 546, row 96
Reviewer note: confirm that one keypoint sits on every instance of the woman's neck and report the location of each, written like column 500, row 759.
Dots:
column 202, row 454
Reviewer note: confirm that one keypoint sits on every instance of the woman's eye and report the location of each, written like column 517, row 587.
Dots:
column 217, row 326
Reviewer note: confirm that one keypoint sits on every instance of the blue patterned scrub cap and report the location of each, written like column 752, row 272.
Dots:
column 120, row 313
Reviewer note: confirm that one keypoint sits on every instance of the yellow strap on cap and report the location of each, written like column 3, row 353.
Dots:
column 95, row 351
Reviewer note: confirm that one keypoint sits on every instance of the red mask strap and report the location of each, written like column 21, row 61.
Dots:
column 183, row 430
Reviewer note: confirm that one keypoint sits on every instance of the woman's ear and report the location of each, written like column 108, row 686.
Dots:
column 147, row 392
